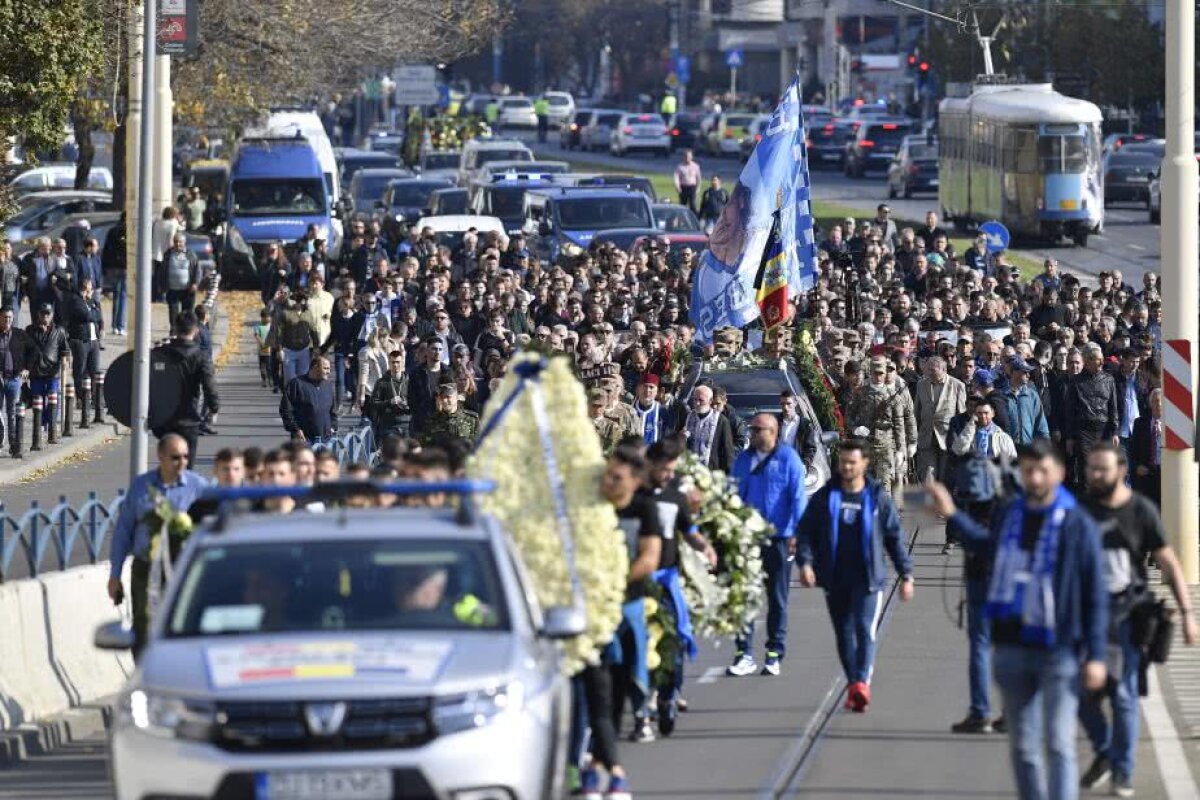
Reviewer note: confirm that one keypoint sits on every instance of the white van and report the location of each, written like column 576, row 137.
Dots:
column 478, row 152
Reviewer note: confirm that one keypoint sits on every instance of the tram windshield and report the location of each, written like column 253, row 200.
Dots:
column 1062, row 154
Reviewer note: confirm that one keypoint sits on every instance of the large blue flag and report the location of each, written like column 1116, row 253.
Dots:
column 774, row 181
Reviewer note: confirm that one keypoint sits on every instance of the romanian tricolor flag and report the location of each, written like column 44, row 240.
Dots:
column 771, row 282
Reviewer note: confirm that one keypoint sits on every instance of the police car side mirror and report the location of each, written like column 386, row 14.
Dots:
column 113, row 636
column 563, row 622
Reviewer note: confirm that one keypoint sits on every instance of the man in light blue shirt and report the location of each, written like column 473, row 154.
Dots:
column 131, row 534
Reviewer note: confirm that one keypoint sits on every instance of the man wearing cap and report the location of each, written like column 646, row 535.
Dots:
column 1023, row 405
column 983, row 386
column 450, row 420
column 49, row 345
column 879, row 410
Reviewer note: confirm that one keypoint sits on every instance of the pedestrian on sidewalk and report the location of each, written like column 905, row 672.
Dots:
column 181, row 276
column 82, row 317
column 16, row 348
column 172, row 481
column 687, row 180
column 1048, row 608
column 712, row 204
column 770, row 479
column 387, row 408
column 114, row 260
column 10, row 279
column 1130, row 530
column 195, row 372
column 308, row 407
column 50, row 346
column 840, row 543
column 161, row 239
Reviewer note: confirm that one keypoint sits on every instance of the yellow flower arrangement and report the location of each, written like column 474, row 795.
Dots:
column 523, row 501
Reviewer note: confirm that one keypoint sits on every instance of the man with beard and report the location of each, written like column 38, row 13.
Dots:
column 708, row 433
column 1130, row 530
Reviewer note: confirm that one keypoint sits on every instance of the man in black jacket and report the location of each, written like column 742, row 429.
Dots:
column 82, row 317
column 49, row 345
column 308, row 406
column 15, row 352
column 1090, row 412
column 708, row 433
column 389, row 399
column 195, row 371
column 423, row 384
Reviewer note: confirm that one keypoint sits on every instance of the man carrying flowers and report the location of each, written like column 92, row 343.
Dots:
column 155, row 505
column 770, row 478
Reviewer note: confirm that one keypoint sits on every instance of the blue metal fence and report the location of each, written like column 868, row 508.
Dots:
column 44, row 535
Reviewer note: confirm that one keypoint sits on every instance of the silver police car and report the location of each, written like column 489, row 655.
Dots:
column 355, row 654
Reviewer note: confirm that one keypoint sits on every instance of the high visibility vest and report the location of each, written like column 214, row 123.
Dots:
column 668, row 104
column 541, row 107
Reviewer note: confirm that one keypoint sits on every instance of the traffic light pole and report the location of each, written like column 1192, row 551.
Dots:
column 139, row 451
column 1179, row 289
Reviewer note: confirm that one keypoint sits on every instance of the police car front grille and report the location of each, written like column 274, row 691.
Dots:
column 371, row 724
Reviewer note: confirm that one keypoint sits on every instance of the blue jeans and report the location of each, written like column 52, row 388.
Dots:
column 1041, row 700
column 341, row 365
column 779, row 573
column 10, row 398
column 855, row 612
column 1116, row 740
column 1126, row 447
column 118, row 305
column 979, row 635
column 295, row 362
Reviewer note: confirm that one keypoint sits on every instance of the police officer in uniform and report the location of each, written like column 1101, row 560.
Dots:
column 450, row 420
column 879, row 409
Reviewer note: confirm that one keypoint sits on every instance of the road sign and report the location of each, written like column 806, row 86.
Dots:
column 416, row 85
column 997, row 236
column 683, row 69
column 735, row 58
column 672, row 80
column 178, row 24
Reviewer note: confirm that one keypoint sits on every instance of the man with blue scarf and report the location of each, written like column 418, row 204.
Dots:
column 1048, row 607
column 770, row 478
column 840, row 545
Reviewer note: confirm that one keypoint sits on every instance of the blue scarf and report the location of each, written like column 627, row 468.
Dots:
column 1023, row 583
column 835, row 517
column 983, row 441
column 650, row 421
column 673, row 591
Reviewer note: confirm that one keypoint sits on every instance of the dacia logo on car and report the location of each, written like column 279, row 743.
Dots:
column 324, row 719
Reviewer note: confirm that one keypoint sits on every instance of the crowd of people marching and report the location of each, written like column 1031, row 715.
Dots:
column 1027, row 407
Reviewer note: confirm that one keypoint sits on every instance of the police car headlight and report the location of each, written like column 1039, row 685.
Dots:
column 469, row 710
column 165, row 715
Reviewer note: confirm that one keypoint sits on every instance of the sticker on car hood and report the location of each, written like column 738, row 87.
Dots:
column 383, row 657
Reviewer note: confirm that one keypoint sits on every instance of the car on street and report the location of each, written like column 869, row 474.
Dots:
column 684, row 127
column 496, row 169
column 448, row 229
column 633, row 132
column 516, row 112
column 597, row 132
column 477, row 103
column 571, row 127
column 563, row 220
column 478, row 152
column 352, row 160
column 507, row 199
column 1127, row 174
column 360, row 654
column 1115, row 141
column 1154, row 192
column 562, row 106
column 439, row 164
column 874, row 145
column 754, row 134
column 914, row 168
column 58, row 176
column 673, row 218
column 385, row 141
column 51, row 208
column 451, row 200
column 368, row 185
column 638, row 182
column 405, row 200
column 724, row 136
column 754, row 388
column 827, row 141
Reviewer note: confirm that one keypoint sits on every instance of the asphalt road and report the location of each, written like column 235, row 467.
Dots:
column 1129, row 242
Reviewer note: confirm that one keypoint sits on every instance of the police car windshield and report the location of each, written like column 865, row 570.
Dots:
column 601, row 213
column 343, row 585
column 488, row 156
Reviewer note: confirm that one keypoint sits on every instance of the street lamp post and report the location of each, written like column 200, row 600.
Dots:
column 1179, row 289
column 139, row 451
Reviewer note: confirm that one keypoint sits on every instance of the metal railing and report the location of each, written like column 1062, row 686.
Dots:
column 356, row 446
column 37, row 531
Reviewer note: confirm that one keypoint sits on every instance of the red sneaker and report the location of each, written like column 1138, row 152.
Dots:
column 858, row 696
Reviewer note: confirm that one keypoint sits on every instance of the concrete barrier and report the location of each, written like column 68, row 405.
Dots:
column 48, row 664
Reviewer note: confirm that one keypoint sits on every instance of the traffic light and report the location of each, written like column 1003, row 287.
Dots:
column 924, row 67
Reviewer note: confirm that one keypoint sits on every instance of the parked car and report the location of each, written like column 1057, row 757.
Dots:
column 99, row 224
column 368, row 185
column 516, row 112
column 59, row 176
column 640, row 132
column 597, row 133
column 54, row 206
column 571, row 128
column 914, row 168
column 672, row 217
column 1127, row 174
column 1155, row 192
column 874, row 145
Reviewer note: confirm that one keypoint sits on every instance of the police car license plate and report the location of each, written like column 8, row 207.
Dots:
column 325, row 784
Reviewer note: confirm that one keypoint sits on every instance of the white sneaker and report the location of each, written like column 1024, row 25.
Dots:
column 743, row 665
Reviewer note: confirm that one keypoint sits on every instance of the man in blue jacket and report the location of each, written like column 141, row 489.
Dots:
column 770, row 479
column 840, row 545
column 1023, row 405
column 1048, row 607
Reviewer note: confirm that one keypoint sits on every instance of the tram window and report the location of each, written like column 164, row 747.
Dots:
column 1062, row 154
column 1026, row 150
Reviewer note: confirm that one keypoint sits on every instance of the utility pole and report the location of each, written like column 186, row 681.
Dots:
column 133, row 144
column 1179, row 290
column 139, row 451
column 163, row 139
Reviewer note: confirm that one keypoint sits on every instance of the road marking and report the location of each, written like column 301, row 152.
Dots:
column 1168, row 749
column 711, row 674
column 1133, row 246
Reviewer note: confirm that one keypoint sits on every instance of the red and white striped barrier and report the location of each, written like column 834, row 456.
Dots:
column 1179, row 408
